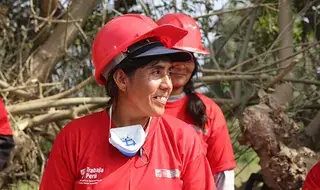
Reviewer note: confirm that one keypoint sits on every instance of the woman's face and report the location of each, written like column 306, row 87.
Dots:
column 149, row 88
column 181, row 73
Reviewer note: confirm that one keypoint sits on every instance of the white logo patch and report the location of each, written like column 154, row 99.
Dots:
column 165, row 173
column 90, row 176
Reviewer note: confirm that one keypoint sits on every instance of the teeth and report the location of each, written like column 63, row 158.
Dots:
column 162, row 99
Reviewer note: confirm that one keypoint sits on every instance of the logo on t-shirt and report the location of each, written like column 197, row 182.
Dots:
column 90, row 176
column 165, row 173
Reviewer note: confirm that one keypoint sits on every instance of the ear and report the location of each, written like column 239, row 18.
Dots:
column 121, row 79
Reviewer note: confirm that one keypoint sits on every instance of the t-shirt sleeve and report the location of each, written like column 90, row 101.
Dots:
column 198, row 175
column 5, row 128
column 313, row 178
column 220, row 152
column 60, row 169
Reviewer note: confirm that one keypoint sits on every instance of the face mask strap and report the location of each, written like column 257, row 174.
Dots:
column 141, row 151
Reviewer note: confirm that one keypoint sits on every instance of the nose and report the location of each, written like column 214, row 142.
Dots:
column 178, row 66
column 166, row 83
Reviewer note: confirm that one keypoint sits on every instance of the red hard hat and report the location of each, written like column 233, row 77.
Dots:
column 123, row 31
column 192, row 41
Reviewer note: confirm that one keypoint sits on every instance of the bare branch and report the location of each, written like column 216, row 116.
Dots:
column 27, row 107
column 29, row 86
column 217, row 78
column 286, row 58
column 55, row 116
column 65, row 93
column 243, row 52
column 282, row 74
column 213, row 71
column 267, row 5
column 17, row 92
column 265, row 53
column 57, row 21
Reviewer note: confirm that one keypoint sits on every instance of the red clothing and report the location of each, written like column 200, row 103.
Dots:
column 217, row 143
column 312, row 181
column 4, row 122
column 82, row 158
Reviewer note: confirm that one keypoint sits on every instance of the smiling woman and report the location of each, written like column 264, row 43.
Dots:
column 130, row 145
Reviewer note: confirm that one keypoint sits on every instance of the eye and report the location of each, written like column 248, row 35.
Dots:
column 156, row 72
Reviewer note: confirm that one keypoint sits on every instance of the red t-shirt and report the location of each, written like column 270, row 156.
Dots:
column 82, row 158
column 312, row 181
column 4, row 122
column 217, row 143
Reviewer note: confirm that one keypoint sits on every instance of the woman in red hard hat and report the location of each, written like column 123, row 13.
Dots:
column 130, row 145
column 197, row 109
column 6, row 138
column 312, row 181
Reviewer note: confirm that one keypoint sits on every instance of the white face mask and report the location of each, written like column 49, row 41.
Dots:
column 128, row 139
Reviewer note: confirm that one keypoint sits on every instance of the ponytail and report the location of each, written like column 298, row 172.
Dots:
column 195, row 106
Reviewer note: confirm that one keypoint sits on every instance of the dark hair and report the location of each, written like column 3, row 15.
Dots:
column 195, row 106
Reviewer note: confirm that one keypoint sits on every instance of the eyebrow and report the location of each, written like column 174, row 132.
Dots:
column 157, row 64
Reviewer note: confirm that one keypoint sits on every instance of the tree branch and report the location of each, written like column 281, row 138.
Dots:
column 53, row 50
column 236, row 28
column 267, row 5
column 101, row 101
column 65, row 93
column 265, row 53
column 286, row 58
column 18, row 91
column 11, row 88
column 243, row 52
column 27, row 107
column 217, row 78
column 55, row 116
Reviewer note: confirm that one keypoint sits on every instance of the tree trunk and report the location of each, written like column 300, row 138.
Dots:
column 286, row 44
column 48, row 54
column 243, row 52
column 274, row 136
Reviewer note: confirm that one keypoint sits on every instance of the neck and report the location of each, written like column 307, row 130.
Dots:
column 176, row 91
column 123, row 115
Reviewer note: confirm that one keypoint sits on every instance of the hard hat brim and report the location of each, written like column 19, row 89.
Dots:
column 203, row 51
column 173, row 54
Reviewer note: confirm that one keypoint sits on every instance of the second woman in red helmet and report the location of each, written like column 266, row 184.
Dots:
column 196, row 109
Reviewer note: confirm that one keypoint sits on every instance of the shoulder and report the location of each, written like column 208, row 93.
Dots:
column 84, row 125
column 177, row 126
column 182, row 135
column 313, row 176
column 213, row 110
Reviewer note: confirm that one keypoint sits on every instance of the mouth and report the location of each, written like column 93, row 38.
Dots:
column 178, row 74
column 161, row 99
